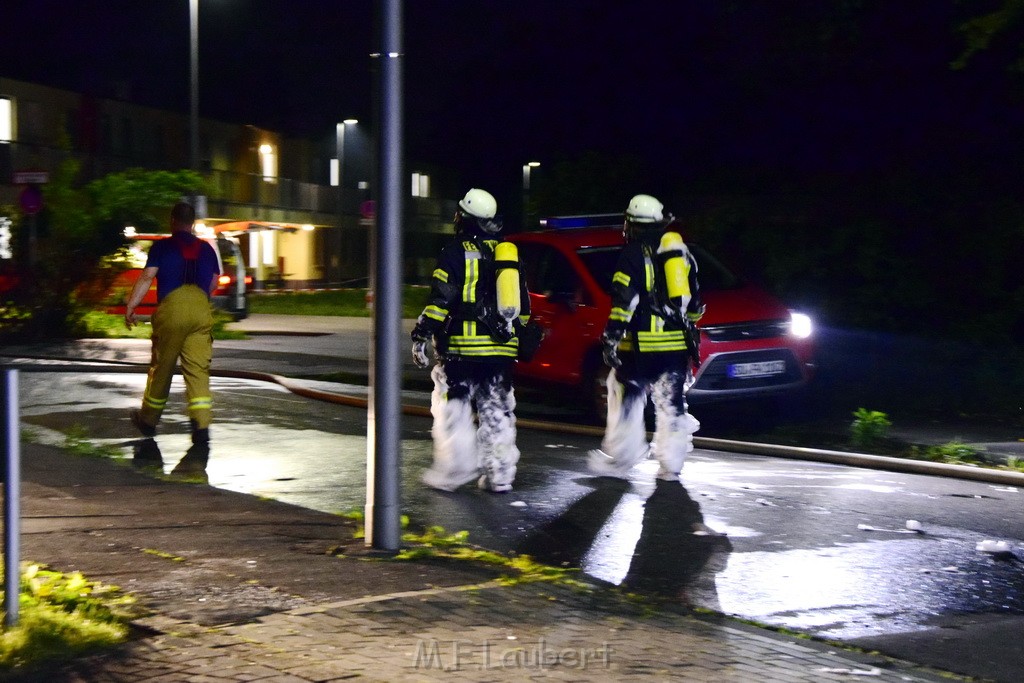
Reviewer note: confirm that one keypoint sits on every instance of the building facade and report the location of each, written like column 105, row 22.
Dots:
column 297, row 228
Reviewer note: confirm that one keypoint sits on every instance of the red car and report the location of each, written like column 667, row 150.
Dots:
column 751, row 344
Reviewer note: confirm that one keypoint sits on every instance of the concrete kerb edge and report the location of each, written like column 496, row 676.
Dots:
column 879, row 462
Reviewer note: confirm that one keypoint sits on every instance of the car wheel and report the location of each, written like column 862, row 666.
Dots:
column 595, row 390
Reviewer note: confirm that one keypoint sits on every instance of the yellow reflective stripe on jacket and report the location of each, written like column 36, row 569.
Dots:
column 665, row 340
column 650, row 342
column 441, row 274
column 620, row 315
column 472, row 275
column 620, row 278
column 435, row 312
column 481, row 345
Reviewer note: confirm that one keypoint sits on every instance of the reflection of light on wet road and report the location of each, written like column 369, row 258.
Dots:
column 863, row 589
column 612, row 552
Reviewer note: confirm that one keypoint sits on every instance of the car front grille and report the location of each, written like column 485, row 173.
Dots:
column 714, row 376
column 765, row 329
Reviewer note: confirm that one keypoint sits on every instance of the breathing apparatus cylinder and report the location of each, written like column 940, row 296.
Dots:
column 677, row 282
column 506, row 266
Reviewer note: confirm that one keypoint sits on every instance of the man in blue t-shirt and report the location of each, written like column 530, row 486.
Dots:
column 186, row 269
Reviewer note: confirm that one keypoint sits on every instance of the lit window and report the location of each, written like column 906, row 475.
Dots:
column 420, row 185
column 5, row 238
column 6, row 120
column 268, row 162
column 268, row 248
column 254, row 249
column 334, row 172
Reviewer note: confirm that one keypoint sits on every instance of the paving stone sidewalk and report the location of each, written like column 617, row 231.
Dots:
column 241, row 588
column 486, row 632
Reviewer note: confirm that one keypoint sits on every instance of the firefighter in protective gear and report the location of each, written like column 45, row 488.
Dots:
column 186, row 269
column 473, row 317
column 655, row 295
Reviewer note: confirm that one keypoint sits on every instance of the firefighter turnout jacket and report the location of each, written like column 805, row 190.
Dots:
column 642, row 314
column 462, row 313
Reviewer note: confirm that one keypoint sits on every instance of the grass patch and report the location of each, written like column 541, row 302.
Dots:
column 100, row 325
column 164, row 555
column 343, row 302
column 61, row 616
column 77, row 441
column 436, row 543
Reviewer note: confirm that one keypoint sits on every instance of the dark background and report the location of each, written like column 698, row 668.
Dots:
column 828, row 148
column 693, row 92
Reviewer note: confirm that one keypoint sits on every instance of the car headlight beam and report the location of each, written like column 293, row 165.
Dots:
column 800, row 325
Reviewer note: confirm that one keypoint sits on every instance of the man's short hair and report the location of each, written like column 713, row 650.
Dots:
column 183, row 213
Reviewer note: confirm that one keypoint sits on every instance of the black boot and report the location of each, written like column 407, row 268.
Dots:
column 200, row 437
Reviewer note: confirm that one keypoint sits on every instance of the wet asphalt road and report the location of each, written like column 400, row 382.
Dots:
column 809, row 546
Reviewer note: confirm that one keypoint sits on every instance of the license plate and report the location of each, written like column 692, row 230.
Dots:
column 762, row 369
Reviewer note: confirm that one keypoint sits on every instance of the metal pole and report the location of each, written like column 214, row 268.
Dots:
column 526, row 196
column 193, row 13
column 340, row 153
column 383, row 527
column 12, row 498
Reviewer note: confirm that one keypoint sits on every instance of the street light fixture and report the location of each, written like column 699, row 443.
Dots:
column 527, row 168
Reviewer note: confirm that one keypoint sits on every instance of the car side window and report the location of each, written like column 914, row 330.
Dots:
column 529, row 257
column 557, row 279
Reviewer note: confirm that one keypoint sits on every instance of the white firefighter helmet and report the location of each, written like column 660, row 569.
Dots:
column 479, row 204
column 643, row 208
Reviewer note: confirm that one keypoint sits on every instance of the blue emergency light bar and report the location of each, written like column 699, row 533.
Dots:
column 597, row 220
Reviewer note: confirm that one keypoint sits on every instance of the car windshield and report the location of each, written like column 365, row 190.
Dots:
column 712, row 275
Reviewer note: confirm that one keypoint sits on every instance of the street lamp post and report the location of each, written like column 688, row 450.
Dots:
column 340, row 151
column 193, row 13
column 527, row 167
column 338, row 179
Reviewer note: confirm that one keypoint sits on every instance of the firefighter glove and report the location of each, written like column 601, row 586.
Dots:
column 419, row 354
column 610, row 350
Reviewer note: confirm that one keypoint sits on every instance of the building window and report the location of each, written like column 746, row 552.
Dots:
column 268, row 162
column 420, row 185
column 268, row 238
column 6, row 119
column 254, row 249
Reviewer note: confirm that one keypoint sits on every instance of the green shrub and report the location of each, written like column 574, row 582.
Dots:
column 953, row 453
column 869, row 427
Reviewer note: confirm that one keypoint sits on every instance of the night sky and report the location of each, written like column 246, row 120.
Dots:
column 695, row 89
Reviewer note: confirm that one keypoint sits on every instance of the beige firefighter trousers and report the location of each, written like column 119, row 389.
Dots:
column 182, row 326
